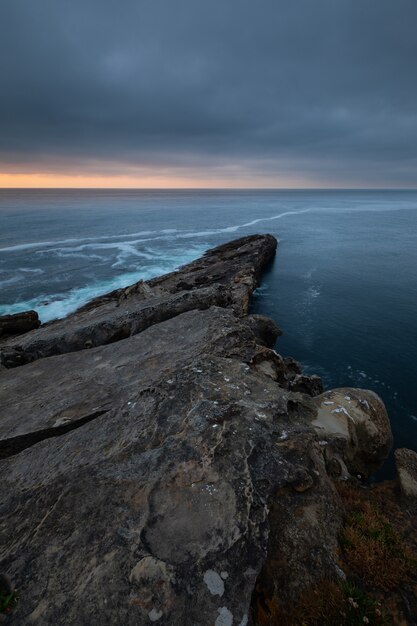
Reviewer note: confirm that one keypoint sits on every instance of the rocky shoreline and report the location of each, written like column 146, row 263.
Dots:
column 162, row 463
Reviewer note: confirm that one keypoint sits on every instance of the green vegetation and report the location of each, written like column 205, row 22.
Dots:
column 7, row 601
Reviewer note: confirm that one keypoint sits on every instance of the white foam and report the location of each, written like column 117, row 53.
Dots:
column 63, row 254
column 10, row 281
column 29, row 270
column 61, row 304
column 313, row 292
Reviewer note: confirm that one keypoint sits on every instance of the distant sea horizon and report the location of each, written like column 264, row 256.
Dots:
column 343, row 287
column 174, row 189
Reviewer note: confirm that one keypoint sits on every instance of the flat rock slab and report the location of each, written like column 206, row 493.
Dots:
column 156, row 509
column 62, row 390
column 108, row 324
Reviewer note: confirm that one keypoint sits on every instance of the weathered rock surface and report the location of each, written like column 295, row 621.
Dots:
column 172, row 477
column 312, row 385
column 79, row 385
column 406, row 462
column 18, row 323
column 356, row 422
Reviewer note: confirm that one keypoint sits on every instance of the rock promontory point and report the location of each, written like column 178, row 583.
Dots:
column 162, row 463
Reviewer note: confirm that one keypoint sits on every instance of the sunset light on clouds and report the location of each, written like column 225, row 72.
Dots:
column 126, row 176
column 207, row 94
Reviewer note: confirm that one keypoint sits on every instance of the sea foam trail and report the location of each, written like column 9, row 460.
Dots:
column 233, row 229
column 264, row 219
column 169, row 232
column 110, row 241
column 127, row 248
column 61, row 242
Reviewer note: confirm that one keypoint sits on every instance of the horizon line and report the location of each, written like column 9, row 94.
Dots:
column 208, row 188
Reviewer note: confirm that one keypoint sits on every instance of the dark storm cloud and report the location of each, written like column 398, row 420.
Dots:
column 324, row 88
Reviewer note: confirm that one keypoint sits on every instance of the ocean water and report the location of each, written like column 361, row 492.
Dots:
column 343, row 286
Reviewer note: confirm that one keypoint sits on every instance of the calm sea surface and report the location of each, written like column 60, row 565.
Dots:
column 343, row 286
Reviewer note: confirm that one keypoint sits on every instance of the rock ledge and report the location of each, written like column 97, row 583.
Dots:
column 161, row 463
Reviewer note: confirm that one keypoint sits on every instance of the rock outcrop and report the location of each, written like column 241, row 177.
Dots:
column 18, row 323
column 356, row 422
column 224, row 276
column 181, row 475
column 406, row 462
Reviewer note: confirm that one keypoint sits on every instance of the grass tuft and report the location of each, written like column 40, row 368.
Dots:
column 7, row 601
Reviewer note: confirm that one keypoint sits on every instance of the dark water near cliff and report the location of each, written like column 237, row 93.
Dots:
column 343, row 287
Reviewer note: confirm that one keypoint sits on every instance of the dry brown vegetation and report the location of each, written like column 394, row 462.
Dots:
column 327, row 604
column 374, row 550
column 378, row 553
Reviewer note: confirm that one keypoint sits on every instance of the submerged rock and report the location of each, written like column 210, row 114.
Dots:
column 175, row 476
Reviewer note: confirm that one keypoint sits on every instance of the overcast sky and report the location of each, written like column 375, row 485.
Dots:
column 263, row 92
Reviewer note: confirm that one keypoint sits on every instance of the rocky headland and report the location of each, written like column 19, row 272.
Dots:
column 161, row 463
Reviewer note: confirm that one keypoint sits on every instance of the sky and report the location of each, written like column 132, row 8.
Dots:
column 208, row 93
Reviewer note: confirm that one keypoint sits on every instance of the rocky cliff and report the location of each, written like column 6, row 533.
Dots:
column 161, row 463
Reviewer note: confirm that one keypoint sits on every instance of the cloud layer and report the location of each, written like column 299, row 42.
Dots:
column 323, row 92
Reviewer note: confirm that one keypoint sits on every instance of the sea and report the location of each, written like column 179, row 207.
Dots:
column 343, row 287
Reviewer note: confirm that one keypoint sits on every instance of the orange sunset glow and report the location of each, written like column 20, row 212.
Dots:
column 147, row 180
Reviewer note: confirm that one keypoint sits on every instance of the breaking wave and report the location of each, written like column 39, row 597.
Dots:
column 60, row 304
